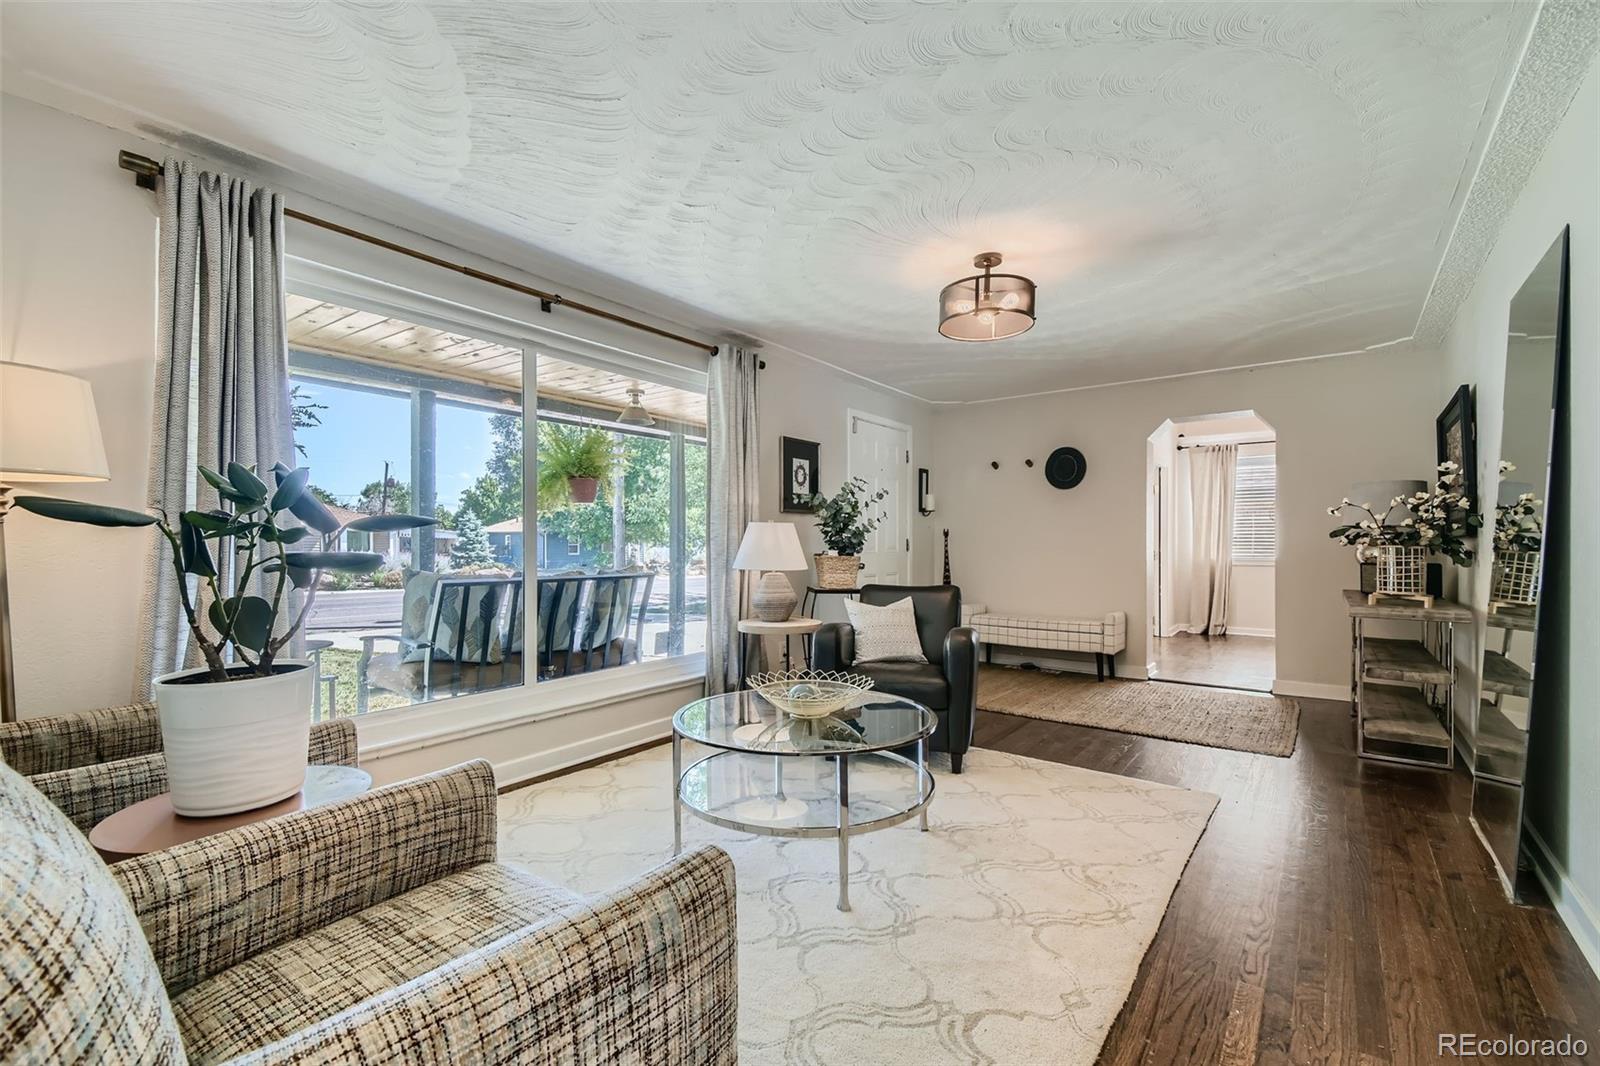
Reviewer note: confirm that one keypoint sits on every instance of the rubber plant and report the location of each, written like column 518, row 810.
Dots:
column 254, row 529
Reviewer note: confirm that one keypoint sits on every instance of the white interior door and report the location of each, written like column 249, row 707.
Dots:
column 880, row 455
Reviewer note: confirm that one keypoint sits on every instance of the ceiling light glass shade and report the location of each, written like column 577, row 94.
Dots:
column 634, row 414
column 987, row 306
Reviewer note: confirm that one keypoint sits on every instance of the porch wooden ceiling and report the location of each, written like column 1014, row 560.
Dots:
column 369, row 337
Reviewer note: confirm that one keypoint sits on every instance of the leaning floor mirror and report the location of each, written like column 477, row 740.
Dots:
column 1536, row 353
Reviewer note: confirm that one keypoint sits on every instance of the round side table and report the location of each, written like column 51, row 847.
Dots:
column 789, row 627
column 153, row 825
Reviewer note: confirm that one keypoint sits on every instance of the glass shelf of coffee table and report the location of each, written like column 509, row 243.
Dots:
column 776, row 775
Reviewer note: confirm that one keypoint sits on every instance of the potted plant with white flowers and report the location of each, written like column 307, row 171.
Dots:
column 845, row 519
column 1440, row 521
column 1518, row 542
column 235, row 730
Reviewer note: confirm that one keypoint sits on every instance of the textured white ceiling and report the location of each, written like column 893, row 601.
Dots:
column 1192, row 185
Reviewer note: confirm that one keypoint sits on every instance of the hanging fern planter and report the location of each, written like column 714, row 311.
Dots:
column 583, row 489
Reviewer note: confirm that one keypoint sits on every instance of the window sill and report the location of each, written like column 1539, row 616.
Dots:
column 403, row 729
column 1255, row 562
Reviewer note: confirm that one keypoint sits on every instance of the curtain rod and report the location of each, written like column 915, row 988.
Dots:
column 1269, row 440
column 147, row 170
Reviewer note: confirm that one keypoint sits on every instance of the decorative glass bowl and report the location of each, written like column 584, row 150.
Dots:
column 810, row 693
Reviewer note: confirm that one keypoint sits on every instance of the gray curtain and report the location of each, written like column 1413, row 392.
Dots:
column 1211, row 477
column 222, row 368
column 734, row 464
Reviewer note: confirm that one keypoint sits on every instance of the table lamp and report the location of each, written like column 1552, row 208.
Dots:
column 49, row 432
column 772, row 547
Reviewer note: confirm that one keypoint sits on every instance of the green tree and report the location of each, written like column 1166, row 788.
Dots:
column 305, row 412
column 497, row 494
column 471, row 549
column 322, row 494
column 373, row 500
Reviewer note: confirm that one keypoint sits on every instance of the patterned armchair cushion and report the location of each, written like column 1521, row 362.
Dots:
column 297, row 984
column 77, row 980
column 422, row 588
column 60, row 742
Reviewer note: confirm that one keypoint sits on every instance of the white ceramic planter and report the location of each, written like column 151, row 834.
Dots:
column 235, row 746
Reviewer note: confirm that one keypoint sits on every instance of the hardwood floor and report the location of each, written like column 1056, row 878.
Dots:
column 1335, row 911
column 1226, row 662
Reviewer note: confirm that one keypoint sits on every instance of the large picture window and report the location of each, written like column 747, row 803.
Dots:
column 394, row 416
column 397, row 417
column 622, row 519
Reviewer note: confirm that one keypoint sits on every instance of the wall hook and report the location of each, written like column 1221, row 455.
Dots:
column 995, row 464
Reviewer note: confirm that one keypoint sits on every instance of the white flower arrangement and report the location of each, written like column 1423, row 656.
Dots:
column 1441, row 521
column 1518, row 526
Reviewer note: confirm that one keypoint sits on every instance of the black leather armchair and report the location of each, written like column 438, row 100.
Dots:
column 947, row 684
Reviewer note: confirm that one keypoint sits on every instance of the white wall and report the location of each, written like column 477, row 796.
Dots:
column 1564, row 766
column 77, row 291
column 1020, row 545
column 799, row 397
column 1252, row 600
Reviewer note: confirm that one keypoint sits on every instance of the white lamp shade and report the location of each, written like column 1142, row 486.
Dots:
column 48, row 427
column 770, row 546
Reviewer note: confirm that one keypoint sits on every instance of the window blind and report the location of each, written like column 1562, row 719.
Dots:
column 1255, row 520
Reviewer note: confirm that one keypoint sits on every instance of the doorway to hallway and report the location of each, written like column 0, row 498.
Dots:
column 1212, row 533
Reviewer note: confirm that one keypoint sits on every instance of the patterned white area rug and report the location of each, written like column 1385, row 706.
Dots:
column 1010, row 933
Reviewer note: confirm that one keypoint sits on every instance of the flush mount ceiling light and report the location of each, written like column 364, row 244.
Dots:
column 634, row 414
column 987, row 306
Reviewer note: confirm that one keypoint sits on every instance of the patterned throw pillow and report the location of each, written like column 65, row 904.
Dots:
column 416, row 607
column 886, row 634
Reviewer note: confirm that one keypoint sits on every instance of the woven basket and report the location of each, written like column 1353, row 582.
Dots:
column 837, row 571
column 1402, row 570
column 1516, row 578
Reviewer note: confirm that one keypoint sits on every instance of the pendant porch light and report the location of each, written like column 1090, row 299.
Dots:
column 987, row 306
column 634, row 414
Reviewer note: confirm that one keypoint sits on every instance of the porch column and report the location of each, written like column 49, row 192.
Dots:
column 424, row 473
column 677, row 541
column 619, row 511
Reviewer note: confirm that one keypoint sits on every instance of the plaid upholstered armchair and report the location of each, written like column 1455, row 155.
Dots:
column 376, row 930
column 93, row 765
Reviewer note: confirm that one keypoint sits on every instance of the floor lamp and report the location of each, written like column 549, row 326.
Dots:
column 49, row 432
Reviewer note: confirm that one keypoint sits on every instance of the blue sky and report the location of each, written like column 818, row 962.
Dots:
column 361, row 429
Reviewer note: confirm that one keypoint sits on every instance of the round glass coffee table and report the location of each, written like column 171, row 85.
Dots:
column 777, row 775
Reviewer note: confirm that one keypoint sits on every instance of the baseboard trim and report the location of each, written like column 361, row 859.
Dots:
column 1577, row 912
column 515, row 772
column 1313, row 690
column 1240, row 631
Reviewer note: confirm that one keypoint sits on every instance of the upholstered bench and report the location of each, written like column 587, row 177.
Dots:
column 1103, row 637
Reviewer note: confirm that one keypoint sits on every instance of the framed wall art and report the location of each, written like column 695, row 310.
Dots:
column 1456, row 439
column 799, row 476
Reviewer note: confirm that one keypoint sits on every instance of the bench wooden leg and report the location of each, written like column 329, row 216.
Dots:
column 1099, row 667
column 1111, row 665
